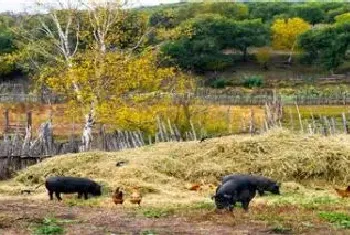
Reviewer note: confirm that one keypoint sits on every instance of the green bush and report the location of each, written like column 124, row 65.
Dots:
column 220, row 83
column 253, row 82
column 341, row 220
column 49, row 227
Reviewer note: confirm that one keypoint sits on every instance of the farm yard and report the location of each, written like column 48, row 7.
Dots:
column 304, row 165
column 187, row 118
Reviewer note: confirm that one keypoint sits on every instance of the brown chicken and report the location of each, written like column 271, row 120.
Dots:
column 343, row 193
column 194, row 187
column 118, row 197
column 136, row 196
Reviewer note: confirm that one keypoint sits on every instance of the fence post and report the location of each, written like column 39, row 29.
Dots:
column 193, row 131
column 6, row 121
column 300, row 122
column 252, row 122
column 291, row 119
column 345, row 123
column 333, row 125
column 29, row 118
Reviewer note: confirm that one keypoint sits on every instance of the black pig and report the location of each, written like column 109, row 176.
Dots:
column 262, row 183
column 82, row 186
column 241, row 190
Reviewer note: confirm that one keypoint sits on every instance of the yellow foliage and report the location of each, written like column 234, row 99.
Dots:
column 7, row 63
column 125, row 90
column 175, row 33
column 342, row 19
column 286, row 32
column 263, row 55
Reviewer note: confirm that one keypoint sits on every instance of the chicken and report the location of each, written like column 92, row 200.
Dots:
column 201, row 186
column 195, row 187
column 118, row 197
column 136, row 196
column 343, row 193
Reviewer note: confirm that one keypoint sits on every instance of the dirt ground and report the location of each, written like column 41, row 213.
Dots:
column 22, row 216
column 19, row 216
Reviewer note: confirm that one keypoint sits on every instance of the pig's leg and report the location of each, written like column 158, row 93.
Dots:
column 57, row 193
column 245, row 204
column 51, row 195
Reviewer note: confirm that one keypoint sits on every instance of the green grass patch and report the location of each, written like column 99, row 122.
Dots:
column 49, row 226
column 339, row 219
column 318, row 202
column 91, row 202
column 281, row 229
column 203, row 205
column 157, row 212
column 148, row 232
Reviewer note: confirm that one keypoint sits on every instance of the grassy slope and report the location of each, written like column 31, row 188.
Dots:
column 164, row 169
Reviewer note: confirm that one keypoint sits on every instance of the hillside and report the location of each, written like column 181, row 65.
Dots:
column 163, row 170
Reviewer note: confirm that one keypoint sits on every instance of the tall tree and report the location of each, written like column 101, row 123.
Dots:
column 286, row 32
column 249, row 33
column 342, row 19
column 312, row 13
column 327, row 46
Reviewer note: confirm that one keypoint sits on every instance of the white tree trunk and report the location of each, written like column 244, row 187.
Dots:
column 87, row 133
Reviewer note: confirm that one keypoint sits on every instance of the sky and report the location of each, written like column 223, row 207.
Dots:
column 24, row 5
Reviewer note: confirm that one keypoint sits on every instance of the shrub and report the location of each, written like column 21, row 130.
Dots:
column 341, row 220
column 253, row 81
column 49, row 227
column 220, row 83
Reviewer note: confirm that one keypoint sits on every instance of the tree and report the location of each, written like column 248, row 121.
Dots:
column 249, row 33
column 286, row 32
column 202, row 48
column 7, row 45
column 332, row 13
column 267, row 11
column 342, row 19
column 196, row 54
column 84, row 59
column 326, row 46
column 312, row 13
column 226, row 9
column 201, row 44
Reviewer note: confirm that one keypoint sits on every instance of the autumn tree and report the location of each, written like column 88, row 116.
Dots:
column 84, row 59
column 286, row 32
column 7, row 62
column 263, row 56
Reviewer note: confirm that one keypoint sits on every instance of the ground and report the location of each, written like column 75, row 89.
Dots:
column 26, row 216
column 101, row 221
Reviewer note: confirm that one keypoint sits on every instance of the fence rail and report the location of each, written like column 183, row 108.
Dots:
column 214, row 98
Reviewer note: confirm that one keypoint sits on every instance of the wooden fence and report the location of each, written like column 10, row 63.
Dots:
column 18, row 151
column 219, row 97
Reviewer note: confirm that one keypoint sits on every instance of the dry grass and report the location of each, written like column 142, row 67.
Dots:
column 163, row 170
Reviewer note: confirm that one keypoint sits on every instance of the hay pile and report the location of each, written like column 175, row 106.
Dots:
column 164, row 169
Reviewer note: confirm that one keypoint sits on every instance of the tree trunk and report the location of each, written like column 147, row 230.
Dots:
column 87, row 133
column 245, row 54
